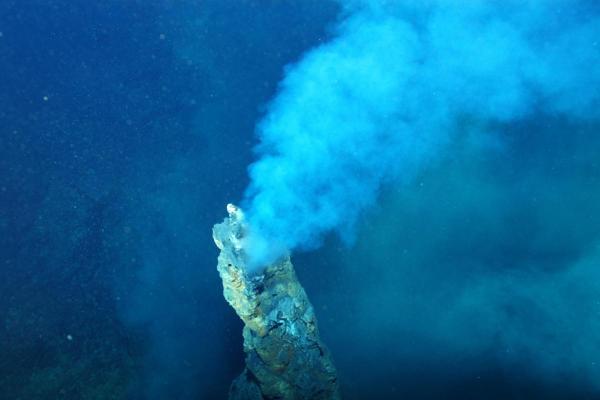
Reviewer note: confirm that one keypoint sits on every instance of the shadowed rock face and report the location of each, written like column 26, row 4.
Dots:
column 285, row 358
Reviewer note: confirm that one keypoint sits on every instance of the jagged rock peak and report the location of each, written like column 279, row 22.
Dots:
column 285, row 359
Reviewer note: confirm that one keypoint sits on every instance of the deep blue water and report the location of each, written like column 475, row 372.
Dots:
column 125, row 128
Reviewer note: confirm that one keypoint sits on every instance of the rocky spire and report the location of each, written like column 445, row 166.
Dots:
column 285, row 359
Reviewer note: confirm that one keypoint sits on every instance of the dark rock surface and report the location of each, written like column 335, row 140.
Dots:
column 285, row 358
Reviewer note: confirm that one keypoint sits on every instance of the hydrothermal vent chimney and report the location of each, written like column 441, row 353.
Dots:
column 285, row 359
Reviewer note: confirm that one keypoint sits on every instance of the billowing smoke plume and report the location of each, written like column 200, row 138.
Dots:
column 389, row 91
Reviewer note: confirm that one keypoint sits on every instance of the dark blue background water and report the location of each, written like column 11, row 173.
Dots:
column 126, row 126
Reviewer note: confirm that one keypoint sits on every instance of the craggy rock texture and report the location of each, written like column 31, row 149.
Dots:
column 284, row 357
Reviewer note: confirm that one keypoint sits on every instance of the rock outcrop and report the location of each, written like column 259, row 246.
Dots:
column 285, row 359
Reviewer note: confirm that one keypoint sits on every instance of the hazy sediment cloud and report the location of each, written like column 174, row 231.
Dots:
column 478, row 278
column 388, row 92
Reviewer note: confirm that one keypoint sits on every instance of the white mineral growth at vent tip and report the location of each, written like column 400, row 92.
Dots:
column 236, row 214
